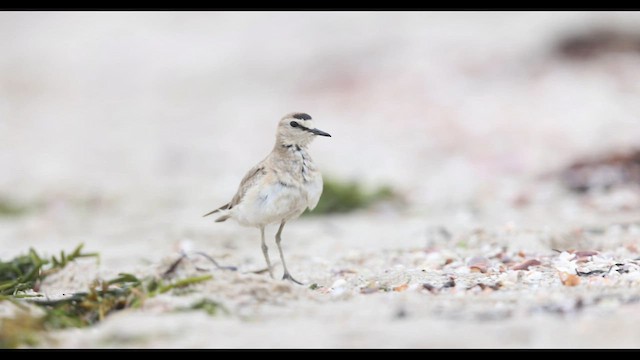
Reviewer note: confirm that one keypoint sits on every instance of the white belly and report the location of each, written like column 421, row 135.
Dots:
column 271, row 204
column 314, row 190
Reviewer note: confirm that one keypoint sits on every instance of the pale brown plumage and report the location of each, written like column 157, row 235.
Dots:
column 248, row 181
column 280, row 187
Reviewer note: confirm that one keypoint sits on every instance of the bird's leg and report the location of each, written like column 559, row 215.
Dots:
column 265, row 251
column 286, row 275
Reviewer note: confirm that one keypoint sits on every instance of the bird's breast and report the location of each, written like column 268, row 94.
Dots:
column 303, row 166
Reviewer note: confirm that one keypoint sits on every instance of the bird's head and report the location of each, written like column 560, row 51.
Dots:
column 297, row 129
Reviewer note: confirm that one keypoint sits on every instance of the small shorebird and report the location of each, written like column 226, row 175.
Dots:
column 280, row 187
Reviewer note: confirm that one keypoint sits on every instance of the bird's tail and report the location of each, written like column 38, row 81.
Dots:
column 222, row 218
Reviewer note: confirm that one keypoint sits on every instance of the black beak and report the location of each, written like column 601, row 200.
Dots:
column 319, row 132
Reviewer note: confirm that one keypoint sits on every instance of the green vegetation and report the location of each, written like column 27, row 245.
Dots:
column 314, row 286
column 82, row 309
column 23, row 272
column 342, row 197
column 104, row 297
column 209, row 306
column 10, row 208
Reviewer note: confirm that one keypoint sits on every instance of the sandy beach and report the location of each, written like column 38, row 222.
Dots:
column 120, row 129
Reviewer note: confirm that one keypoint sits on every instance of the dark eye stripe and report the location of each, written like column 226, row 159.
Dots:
column 301, row 127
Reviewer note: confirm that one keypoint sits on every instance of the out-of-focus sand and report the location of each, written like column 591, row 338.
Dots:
column 127, row 127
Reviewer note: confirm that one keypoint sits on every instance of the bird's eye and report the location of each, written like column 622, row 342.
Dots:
column 293, row 124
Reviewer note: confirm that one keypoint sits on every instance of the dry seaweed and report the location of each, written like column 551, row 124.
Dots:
column 596, row 42
column 87, row 308
column 104, row 297
column 79, row 309
column 603, row 172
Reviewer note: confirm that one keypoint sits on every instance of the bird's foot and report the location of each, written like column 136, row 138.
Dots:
column 288, row 276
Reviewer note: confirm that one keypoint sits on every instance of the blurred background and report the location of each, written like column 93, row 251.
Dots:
column 465, row 146
column 117, row 126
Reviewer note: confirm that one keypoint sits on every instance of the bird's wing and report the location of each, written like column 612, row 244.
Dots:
column 252, row 176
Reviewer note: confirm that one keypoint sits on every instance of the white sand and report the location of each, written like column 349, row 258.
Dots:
column 127, row 127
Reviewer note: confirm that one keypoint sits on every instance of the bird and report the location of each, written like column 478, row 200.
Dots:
column 280, row 187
